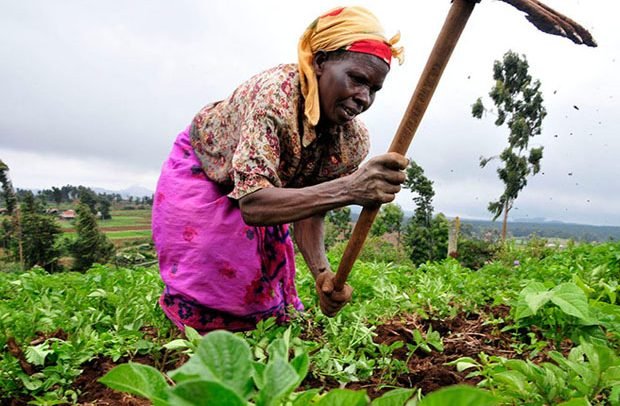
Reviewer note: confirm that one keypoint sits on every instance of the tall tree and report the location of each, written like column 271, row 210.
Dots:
column 91, row 245
column 38, row 234
column 519, row 104
column 104, row 208
column 10, row 199
column 425, row 236
column 11, row 230
column 389, row 220
column 88, row 197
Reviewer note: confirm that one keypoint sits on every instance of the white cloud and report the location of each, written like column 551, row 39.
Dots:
column 94, row 93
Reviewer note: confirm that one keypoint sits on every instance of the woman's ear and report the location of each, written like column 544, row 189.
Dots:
column 318, row 62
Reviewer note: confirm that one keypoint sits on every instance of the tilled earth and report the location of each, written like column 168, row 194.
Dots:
column 464, row 335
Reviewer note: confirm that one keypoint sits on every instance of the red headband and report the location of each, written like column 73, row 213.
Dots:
column 373, row 47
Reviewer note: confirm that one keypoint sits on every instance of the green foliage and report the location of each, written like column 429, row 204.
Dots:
column 376, row 249
column 88, row 197
column 222, row 371
column 107, row 312
column 589, row 372
column 39, row 233
column 337, row 226
column 427, row 242
column 10, row 200
column 425, row 237
column 104, row 209
column 91, row 245
column 519, row 104
column 475, row 253
column 389, row 220
column 76, row 317
column 562, row 311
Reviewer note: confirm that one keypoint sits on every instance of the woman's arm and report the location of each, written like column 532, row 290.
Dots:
column 309, row 235
column 373, row 184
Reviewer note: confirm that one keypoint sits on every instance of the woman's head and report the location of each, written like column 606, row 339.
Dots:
column 347, row 83
column 350, row 39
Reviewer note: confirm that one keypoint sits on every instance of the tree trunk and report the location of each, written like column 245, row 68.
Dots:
column 505, row 223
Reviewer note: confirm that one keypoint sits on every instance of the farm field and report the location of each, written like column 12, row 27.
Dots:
column 125, row 228
column 529, row 328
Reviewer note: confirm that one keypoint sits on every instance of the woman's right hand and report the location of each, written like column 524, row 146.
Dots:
column 378, row 180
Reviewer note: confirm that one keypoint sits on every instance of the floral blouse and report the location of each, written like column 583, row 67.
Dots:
column 259, row 138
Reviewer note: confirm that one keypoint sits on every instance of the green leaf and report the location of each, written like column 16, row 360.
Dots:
column 203, row 393
column 514, row 380
column 614, row 395
column 222, row 357
column 36, row 354
column 530, row 299
column 278, row 348
column 192, row 335
column 179, row 343
column 137, row 379
column 459, row 395
column 395, row 397
column 536, row 296
column 344, row 397
column 300, row 364
column 279, row 379
column 571, row 300
column 258, row 370
column 305, row 398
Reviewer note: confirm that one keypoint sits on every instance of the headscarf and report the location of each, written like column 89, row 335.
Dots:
column 350, row 28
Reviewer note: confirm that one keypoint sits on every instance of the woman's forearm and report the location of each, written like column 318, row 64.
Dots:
column 309, row 236
column 272, row 206
column 373, row 184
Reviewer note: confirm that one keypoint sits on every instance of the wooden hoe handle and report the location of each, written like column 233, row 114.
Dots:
column 444, row 45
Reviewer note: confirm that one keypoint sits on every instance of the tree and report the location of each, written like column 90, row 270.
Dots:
column 519, row 105
column 425, row 236
column 38, row 236
column 10, row 199
column 337, row 226
column 88, row 197
column 104, row 208
column 57, row 195
column 11, row 231
column 91, row 245
column 389, row 220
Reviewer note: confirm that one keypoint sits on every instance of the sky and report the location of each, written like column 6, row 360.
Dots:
column 93, row 93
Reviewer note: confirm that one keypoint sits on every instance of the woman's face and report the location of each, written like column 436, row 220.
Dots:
column 347, row 84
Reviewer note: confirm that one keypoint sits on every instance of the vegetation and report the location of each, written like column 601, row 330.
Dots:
column 91, row 245
column 38, row 236
column 425, row 236
column 337, row 226
column 519, row 104
column 534, row 325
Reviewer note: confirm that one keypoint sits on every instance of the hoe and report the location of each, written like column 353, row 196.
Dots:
column 542, row 16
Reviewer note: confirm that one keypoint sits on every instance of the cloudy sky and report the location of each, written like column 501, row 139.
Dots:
column 94, row 92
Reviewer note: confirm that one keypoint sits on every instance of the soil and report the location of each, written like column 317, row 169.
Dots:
column 463, row 335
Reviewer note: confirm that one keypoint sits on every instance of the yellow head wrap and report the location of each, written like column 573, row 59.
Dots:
column 334, row 30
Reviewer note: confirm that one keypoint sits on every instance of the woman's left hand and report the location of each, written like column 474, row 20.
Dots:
column 330, row 300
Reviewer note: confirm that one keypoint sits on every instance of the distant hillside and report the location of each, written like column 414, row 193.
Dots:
column 541, row 227
column 550, row 229
column 135, row 191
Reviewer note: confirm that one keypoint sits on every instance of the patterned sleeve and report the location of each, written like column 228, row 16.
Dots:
column 256, row 159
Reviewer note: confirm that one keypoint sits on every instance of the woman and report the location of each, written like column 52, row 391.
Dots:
column 283, row 148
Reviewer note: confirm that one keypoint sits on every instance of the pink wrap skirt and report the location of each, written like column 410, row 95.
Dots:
column 219, row 273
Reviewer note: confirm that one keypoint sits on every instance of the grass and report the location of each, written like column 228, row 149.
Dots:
column 128, row 234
